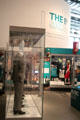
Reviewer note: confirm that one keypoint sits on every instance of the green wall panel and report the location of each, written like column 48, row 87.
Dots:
column 60, row 51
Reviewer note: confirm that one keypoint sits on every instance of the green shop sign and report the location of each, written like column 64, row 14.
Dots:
column 57, row 18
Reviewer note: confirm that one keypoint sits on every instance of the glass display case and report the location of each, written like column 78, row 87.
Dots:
column 24, row 78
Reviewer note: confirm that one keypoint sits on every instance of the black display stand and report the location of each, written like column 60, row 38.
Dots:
column 75, row 97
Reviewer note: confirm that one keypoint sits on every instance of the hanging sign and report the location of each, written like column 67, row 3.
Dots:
column 75, row 47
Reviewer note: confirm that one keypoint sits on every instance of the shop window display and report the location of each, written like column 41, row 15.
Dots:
column 62, row 69
column 24, row 84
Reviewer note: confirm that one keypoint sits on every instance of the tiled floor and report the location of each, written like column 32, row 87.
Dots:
column 57, row 106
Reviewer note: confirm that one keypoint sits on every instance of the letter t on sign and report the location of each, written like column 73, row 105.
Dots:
column 52, row 14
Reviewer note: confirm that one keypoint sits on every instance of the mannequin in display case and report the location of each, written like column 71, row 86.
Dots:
column 18, row 80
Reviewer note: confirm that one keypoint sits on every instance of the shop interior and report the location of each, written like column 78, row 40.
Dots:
column 62, row 70
column 40, row 60
column 62, row 80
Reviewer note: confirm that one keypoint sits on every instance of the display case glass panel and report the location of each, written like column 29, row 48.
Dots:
column 24, row 78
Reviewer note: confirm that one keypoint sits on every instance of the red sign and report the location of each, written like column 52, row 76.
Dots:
column 75, row 47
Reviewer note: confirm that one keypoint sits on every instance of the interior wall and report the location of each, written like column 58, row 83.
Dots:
column 27, row 13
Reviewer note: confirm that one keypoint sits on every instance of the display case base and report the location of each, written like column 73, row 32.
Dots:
column 31, row 108
column 24, row 118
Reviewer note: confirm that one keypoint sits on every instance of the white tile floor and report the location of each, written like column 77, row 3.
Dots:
column 30, row 108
